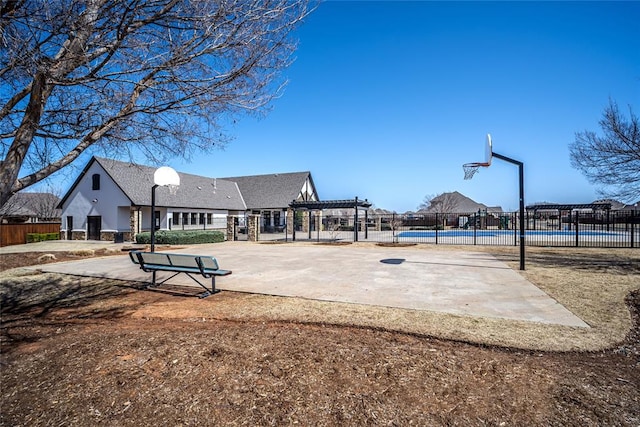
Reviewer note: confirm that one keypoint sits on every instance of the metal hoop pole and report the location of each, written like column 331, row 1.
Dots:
column 522, row 219
column 153, row 217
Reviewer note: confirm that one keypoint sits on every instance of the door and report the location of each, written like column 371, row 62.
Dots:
column 69, row 226
column 94, row 225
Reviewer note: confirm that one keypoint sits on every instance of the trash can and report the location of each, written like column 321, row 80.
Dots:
column 118, row 237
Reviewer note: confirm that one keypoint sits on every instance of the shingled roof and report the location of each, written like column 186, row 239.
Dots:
column 271, row 191
column 194, row 191
column 35, row 205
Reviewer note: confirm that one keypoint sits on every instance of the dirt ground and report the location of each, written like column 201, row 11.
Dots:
column 83, row 351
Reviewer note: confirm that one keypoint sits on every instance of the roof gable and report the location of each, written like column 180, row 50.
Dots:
column 274, row 190
column 194, row 191
column 233, row 193
column 136, row 181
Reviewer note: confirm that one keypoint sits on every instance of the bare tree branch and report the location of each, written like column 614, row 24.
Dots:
column 151, row 77
column 612, row 159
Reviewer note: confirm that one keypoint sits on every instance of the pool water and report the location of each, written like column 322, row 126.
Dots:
column 499, row 233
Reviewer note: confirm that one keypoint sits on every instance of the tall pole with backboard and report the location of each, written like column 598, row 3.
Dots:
column 471, row 168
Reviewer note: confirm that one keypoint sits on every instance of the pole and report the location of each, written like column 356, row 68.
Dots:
column 522, row 213
column 522, row 218
column 153, row 217
column 355, row 223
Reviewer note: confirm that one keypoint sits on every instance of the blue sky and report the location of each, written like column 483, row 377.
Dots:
column 386, row 100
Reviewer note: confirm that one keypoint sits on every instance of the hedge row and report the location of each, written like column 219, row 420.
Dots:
column 191, row 237
column 41, row 237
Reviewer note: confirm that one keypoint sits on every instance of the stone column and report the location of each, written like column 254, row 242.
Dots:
column 379, row 223
column 231, row 228
column 133, row 221
column 253, row 228
column 305, row 222
column 289, row 221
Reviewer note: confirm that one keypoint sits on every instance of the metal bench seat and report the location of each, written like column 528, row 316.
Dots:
column 206, row 266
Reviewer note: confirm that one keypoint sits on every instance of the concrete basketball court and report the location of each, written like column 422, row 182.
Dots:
column 459, row 282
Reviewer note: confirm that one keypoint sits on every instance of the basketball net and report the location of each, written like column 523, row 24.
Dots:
column 173, row 189
column 470, row 169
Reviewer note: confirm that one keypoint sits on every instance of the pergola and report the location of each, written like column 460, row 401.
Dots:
column 316, row 205
column 569, row 207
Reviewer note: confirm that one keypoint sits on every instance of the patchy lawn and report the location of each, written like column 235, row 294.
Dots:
column 83, row 351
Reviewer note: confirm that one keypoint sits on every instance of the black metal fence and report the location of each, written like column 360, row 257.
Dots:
column 606, row 229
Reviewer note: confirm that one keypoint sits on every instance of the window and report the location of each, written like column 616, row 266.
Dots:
column 185, row 218
column 202, row 219
column 209, row 219
column 194, row 218
column 95, row 181
column 176, row 218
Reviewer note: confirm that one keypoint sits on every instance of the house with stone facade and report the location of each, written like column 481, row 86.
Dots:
column 111, row 199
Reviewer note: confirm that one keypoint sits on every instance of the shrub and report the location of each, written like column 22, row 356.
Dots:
column 41, row 237
column 180, row 237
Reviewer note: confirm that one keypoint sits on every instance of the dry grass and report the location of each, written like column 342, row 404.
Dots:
column 592, row 283
column 84, row 351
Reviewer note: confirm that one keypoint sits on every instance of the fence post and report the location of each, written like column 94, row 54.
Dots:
column 355, row 222
column 577, row 229
column 514, row 222
column 366, row 224
column 633, row 231
column 475, row 219
column 437, row 226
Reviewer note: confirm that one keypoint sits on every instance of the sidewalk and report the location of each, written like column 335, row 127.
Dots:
column 64, row 245
column 459, row 282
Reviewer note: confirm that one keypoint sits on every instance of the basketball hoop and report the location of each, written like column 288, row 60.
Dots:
column 470, row 169
column 173, row 189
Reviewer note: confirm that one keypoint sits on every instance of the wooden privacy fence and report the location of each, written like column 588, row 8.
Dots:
column 16, row 234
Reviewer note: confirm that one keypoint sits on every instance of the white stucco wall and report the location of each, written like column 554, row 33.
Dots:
column 108, row 202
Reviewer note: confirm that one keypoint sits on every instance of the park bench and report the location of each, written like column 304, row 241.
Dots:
column 205, row 266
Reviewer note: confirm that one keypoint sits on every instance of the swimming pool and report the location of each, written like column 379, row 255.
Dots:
column 501, row 233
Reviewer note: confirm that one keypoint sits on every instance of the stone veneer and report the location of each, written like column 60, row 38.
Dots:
column 253, row 228
column 231, row 228
column 78, row 235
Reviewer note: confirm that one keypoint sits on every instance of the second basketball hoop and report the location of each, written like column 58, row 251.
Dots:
column 470, row 169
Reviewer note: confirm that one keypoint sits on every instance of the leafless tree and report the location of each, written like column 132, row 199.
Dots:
column 160, row 77
column 45, row 205
column 334, row 228
column 395, row 223
column 611, row 159
column 26, row 205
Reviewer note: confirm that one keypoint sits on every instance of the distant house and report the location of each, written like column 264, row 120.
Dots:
column 27, row 207
column 631, row 207
column 455, row 202
column 110, row 197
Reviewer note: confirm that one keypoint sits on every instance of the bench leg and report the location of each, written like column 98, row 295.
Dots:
column 154, row 283
column 208, row 291
column 211, row 291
